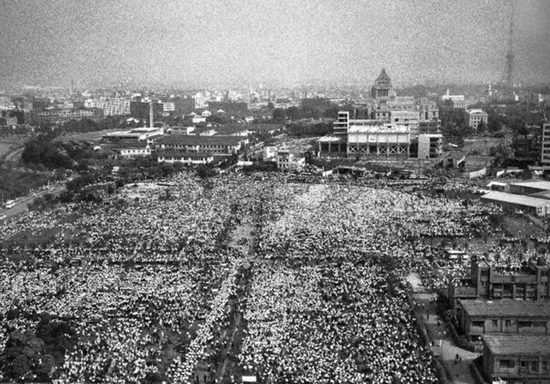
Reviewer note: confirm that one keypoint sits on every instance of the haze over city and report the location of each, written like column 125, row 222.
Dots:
column 288, row 42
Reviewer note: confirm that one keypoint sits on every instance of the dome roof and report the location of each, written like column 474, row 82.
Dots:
column 383, row 77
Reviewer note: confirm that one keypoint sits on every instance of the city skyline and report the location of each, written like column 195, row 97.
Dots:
column 289, row 43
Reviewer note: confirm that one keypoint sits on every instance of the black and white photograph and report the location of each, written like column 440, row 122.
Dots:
column 275, row 191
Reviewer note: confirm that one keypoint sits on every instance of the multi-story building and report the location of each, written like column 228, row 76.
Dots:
column 341, row 125
column 476, row 116
column 407, row 118
column 428, row 110
column 378, row 139
column 187, row 158
column 528, row 281
column 289, row 161
column 430, row 145
column 201, row 101
column 223, row 145
column 516, row 359
column 456, row 101
column 111, row 106
column 6, row 103
column 168, row 106
column 479, row 317
column 136, row 149
column 545, row 150
column 63, row 115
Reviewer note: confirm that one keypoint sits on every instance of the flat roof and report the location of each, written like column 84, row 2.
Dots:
column 518, row 344
column 538, row 184
column 526, row 201
column 379, row 129
column 329, row 139
column 511, row 308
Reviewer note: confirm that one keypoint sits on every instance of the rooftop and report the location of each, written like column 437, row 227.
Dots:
column 504, row 197
column 538, row 184
column 510, row 308
column 518, row 344
column 476, row 112
column 192, row 155
column 379, row 129
column 330, row 139
column 176, row 139
column 264, row 127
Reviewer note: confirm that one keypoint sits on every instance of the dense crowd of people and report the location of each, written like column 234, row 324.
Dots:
column 332, row 307
column 147, row 278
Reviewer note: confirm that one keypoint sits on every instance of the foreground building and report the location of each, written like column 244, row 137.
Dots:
column 516, row 359
column 480, row 317
column 491, row 281
column 528, row 204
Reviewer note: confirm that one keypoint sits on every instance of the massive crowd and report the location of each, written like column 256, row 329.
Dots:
column 147, row 279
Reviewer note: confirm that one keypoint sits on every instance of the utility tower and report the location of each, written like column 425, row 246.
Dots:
column 510, row 55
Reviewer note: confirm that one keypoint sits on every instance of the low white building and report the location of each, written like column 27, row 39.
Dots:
column 288, row 161
column 187, row 158
column 476, row 116
column 135, row 150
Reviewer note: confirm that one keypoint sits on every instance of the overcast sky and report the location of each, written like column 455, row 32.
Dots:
column 93, row 42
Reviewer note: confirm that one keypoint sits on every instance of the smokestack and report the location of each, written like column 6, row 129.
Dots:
column 151, row 125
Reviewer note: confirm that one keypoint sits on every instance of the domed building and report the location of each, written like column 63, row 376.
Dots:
column 382, row 90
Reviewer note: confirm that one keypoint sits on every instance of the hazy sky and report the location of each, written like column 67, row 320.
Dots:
column 93, row 42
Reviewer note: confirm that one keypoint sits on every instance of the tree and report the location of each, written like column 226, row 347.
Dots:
column 481, row 127
column 279, row 115
column 493, row 124
column 294, row 113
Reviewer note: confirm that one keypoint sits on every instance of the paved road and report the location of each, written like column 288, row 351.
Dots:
column 23, row 202
column 437, row 332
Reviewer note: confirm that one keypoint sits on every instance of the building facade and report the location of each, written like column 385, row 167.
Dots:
column 111, row 106
column 186, row 158
column 223, row 145
column 59, row 116
column 379, row 140
column 480, row 317
column 516, row 359
column 288, row 161
column 430, row 145
column 528, row 281
column 476, row 116
column 545, row 150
